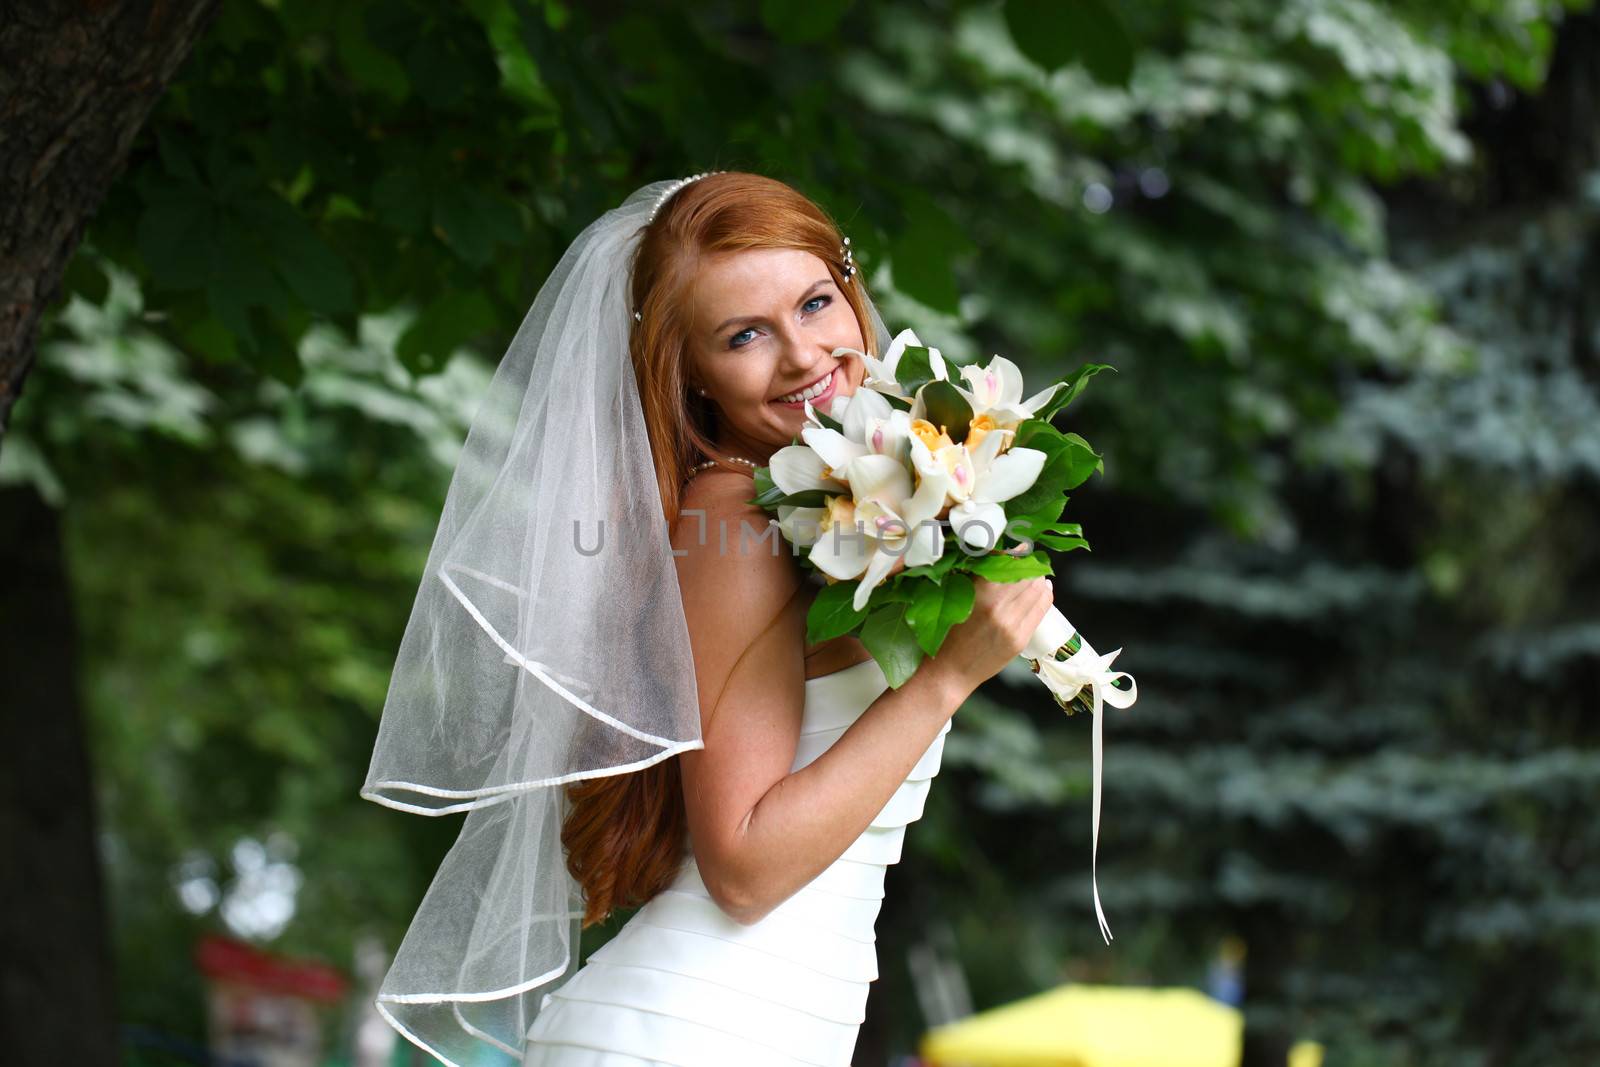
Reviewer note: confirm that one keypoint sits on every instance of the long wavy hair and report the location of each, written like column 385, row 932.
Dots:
column 626, row 834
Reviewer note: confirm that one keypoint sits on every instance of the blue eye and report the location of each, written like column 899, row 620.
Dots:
column 733, row 342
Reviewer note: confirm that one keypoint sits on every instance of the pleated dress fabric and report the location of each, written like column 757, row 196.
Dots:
column 683, row 985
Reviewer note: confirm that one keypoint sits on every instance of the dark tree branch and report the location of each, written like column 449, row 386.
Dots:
column 77, row 81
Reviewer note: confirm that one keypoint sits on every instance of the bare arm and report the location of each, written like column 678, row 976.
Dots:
column 807, row 819
column 761, row 833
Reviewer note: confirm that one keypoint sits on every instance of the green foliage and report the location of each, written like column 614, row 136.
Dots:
column 832, row 613
column 1090, row 32
column 946, row 407
column 893, row 643
column 937, row 606
column 1074, row 384
column 999, row 567
column 915, row 368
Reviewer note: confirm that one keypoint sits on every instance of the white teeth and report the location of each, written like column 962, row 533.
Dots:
column 806, row 394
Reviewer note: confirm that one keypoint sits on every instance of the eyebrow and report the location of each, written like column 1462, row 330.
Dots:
column 754, row 318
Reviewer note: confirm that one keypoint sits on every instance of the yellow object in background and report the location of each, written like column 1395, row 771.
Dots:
column 1305, row 1054
column 1101, row 1026
column 1094, row 1026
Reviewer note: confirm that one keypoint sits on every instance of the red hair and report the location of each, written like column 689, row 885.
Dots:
column 626, row 834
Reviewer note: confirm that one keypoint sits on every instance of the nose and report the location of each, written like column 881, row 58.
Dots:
column 803, row 350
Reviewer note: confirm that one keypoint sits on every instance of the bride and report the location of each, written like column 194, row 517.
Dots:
column 607, row 668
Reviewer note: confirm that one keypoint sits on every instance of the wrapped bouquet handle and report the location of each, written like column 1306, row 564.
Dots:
column 1082, row 669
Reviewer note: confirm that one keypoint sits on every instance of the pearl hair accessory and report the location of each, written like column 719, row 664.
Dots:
column 674, row 187
column 848, row 270
column 663, row 198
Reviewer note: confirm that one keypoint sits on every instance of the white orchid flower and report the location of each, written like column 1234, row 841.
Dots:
column 890, row 436
column 996, row 390
column 885, row 522
column 932, row 449
column 879, row 425
column 871, row 425
column 797, row 468
column 836, row 409
column 835, row 449
column 977, row 517
column 881, row 372
column 800, row 526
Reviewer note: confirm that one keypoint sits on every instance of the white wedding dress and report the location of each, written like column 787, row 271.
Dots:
column 682, row 984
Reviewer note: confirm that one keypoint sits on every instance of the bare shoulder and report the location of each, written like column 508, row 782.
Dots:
column 729, row 552
column 735, row 573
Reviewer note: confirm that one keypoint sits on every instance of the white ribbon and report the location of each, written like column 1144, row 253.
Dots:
column 1065, row 678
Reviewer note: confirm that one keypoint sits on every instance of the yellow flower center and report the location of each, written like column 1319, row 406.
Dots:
column 841, row 511
column 934, row 437
column 980, row 425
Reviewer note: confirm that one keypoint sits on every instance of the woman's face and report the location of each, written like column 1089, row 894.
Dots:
column 764, row 324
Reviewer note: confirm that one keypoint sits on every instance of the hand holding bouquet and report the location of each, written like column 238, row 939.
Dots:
column 903, row 492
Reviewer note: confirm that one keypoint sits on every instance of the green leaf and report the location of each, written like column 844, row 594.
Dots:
column 176, row 237
column 1068, row 464
column 1061, row 543
column 915, row 368
column 998, row 567
column 443, row 326
column 174, row 158
column 806, row 498
column 1080, row 461
column 366, row 64
column 1042, row 501
column 831, row 614
column 472, row 222
column 238, row 279
column 923, row 252
column 1074, row 385
column 902, row 402
column 1054, row 33
column 935, row 570
column 1035, row 433
column 802, row 23
column 947, row 408
column 302, row 259
column 935, row 607
column 765, row 487
column 892, row 643
column 827, row 420
column 1026, row 527
column 400, row 200
column 85, row 278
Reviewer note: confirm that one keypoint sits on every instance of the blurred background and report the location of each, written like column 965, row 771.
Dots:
column 262, row 257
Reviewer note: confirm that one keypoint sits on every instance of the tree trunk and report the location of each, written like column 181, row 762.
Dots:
column 77, row 81
column 56, row 978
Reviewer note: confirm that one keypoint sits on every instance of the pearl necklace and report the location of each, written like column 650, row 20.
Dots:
column 698, row 467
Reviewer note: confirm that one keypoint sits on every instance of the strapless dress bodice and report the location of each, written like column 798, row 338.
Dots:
column 682, row 984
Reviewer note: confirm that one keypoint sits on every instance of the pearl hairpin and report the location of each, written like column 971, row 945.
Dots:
column 666, row 195
column 674, row 187
column 845, row 252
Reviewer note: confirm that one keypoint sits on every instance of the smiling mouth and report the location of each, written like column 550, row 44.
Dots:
column 786, row 398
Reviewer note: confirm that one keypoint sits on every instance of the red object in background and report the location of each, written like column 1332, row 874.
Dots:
column 227, row 960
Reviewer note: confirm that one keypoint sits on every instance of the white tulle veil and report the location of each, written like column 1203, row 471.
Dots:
column 547, row 644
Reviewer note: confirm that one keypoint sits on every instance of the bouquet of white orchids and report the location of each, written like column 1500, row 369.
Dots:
column 902, row 492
